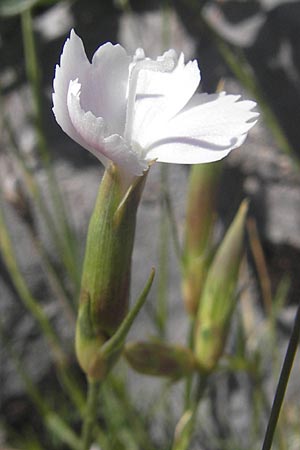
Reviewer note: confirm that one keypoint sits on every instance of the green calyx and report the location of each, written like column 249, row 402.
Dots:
column 104, row 296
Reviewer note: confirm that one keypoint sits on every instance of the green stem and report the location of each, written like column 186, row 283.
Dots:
column 173, row 226
column 53, row 279
column 189, row 379
column 162, row 289
column 71, row 387
column 90, row 415
column 35, row 193
column 51, row 419
column 34, row 77
column 28, row 300
column 166, row 28
column 283, row 381
column 67, row 242
column 32, row 305
column 182, row 441
column 127, row 412
column 200, row 388
column 56, row 425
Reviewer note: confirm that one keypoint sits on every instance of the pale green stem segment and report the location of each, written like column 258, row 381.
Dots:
column 90, row 414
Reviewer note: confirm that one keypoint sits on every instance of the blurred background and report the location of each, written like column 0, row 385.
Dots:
column 49, row 183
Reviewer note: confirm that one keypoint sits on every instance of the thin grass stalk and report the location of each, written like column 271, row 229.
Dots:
column 129, row 413
column 34, row 77
column 163, row 250
column 120, row 413
column 200, row 389
column 173, row 227
column 29, row 301
column 117, row 423
column 35, row 193
column 260, row 402
column 163, row 265
column 261, row 265
column 185, row 439
column 283, row 382
column 66, row 435
column 271, row 310
column 166, row 28
column 265, row 408
column 32, row 305
column 189, row 379
column 52, row 421
column 53, row 280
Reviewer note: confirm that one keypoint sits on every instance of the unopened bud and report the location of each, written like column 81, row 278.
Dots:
column 200, row 218
column 218, row 298
column 160, row 359
column 105, row 284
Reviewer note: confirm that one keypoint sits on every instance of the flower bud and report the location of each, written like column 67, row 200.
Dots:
column 218, row 298
column 160, row 359
column 200, row 218
column 105, row 283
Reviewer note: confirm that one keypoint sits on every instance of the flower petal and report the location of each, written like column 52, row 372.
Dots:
column 205, row 131
column 93, row 132
column 104, row 92
column 161, row 95
column 103, row 84
column 73, row 64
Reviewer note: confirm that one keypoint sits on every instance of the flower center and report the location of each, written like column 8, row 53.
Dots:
column 166, row 64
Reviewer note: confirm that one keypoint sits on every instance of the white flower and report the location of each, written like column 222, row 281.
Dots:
column 133, row 110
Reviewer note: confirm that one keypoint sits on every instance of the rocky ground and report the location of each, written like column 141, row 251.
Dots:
column 259, row 169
